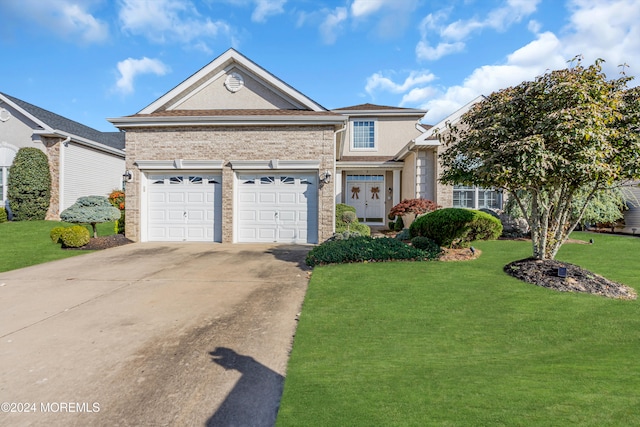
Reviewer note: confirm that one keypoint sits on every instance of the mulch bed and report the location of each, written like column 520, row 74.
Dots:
column 545, row 273
column 104, row 242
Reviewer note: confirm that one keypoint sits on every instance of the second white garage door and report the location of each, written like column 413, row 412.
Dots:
column 278, row 207
column 184, row 207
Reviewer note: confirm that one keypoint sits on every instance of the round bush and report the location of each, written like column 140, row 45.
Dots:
column 3, row 215
column 341, row 226
column 56, row 234
column 455, row 227
column 75, row 236
column 29, row 185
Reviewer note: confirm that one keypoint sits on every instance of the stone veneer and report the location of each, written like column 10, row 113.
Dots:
column 52, row 147
column 226, row 143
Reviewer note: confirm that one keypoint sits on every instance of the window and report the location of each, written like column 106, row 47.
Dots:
column 364, row 135
column 4, row 175
column 476, row 197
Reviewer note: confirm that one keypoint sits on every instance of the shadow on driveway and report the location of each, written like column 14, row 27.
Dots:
column 252, row 400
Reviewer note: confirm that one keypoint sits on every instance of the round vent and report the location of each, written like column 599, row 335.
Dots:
column 4, row 115
column 234, row 82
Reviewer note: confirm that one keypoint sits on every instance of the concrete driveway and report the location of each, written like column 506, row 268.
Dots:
column 150, row 334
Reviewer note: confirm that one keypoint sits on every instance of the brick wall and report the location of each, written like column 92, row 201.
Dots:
column 228, row 143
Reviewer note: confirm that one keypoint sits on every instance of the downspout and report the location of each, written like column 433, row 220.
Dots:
column 63, row 144
column 338, row 151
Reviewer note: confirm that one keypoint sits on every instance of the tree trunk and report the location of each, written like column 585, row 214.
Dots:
column 95, row 230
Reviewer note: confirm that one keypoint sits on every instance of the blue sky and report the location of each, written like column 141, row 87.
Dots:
column 92, row 59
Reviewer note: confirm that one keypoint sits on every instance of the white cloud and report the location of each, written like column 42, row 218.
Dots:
column 451, row 36
column 332, row 24
column 379, row 82
column 169, row 20
column 130, row 68
column 65, row 18
column 365, row 7
column 265, row 8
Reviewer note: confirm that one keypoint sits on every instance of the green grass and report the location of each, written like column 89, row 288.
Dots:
column 25, row 243
column 463, row 344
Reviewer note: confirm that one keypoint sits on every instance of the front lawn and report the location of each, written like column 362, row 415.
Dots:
column 463, row 344
column 25, row 243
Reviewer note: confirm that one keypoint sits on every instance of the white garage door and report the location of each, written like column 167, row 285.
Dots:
column 278, row 207
column 184, row 207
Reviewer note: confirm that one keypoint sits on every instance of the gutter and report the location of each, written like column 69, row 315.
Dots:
column 55, row 133
column 133, row 122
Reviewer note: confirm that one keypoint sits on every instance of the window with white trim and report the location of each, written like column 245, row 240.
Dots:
column 363, row 135
column 7, row 153
column 465, row 196
column 4, row 176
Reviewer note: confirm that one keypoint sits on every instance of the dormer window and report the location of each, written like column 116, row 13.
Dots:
column 363, row 135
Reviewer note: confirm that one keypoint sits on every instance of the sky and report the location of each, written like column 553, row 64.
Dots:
column 90, row 60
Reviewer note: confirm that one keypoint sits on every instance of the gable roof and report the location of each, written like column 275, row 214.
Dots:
column 52, row 124
column 228, row 60
column 430, row 138
column 379, row 110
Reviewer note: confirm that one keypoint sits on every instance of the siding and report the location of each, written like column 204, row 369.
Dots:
column 87, row 172
column 632, row 216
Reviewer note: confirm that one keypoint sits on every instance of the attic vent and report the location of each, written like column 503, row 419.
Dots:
column 4, row 115
column 234, row 82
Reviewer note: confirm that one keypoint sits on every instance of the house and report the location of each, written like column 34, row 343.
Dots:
column 234, row 154
column 83, row 161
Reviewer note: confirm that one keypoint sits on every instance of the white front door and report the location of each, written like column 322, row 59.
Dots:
column 366, row 194
column 184, row 207
column 277, row 207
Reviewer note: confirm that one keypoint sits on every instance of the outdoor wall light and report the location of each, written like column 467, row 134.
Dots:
column 128, row 176
column 325, row 177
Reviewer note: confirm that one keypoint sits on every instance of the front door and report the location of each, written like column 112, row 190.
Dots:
column 366, row 194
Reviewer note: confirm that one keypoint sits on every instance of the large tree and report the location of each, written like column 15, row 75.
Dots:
column 568, row 133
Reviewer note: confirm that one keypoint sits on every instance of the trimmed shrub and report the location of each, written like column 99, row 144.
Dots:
column 363, row 248
column 29, row 185
column 341, row 226
column 455, row 227
column 75, row 236
column 3, row 215
column 399, row 224
column 91, row 210
column 431, row 249
column 117, row 198
column 56, row 234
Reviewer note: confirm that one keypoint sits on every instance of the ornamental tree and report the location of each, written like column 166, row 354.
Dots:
column 552, row 144
column 29, row 185
column 90, row 210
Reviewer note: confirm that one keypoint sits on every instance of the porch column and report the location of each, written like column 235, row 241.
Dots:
column 338, row 186
column 396, row 187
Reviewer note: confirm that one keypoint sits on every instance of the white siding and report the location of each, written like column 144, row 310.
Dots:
column 88, row 172
column 632, row 216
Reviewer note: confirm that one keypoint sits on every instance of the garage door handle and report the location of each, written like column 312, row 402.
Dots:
column 275, row 214
column 184, row 215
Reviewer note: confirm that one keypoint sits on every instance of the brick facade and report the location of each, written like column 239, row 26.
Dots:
column 52, row 147
column 227, row 143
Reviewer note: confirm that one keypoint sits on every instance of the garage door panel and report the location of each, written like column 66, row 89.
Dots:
column 278, row 208
column 267, row 197
column 180, row 207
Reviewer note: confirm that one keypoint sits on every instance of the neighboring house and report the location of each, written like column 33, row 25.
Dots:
column 83, row 161
column 234, row 154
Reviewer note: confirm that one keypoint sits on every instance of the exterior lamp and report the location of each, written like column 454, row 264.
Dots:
column 325, row 177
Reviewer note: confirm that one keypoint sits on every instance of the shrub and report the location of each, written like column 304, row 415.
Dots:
column 399, row 224
column 404, row 235
column 117, row 198
column 431, row 249
column 3, row 215
column 56, row 234
column 91, row 210
column 75, row 236
column 29, row 185
column 414, row 206
column 344, row 235
column 363, row 248
column 454, row 227
column 341, row 226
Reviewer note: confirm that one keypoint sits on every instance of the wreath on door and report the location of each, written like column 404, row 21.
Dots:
column 354, row 192
column 374, row 193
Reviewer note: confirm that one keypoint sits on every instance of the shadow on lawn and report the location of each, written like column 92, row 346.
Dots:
column 254, row 399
